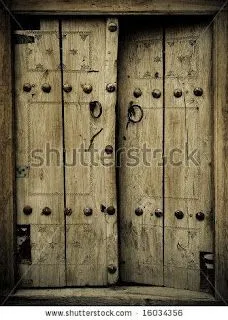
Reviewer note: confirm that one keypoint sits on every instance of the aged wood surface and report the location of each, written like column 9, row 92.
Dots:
column 39, row 147
column 120, row 6
column 89, row 59
column 221, row 153
column 136, row 295
column 140, row 181
column 6, row 159
column 188, row 148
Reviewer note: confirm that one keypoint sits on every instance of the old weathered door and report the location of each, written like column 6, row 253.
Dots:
column 65, row 117
column 66, row 85
column 165, row 156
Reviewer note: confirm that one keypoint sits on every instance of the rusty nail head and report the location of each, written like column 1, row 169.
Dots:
column 137, row 93
column 110, row 87
column 46, row 211
column 198, row 92
column 138, row 211
column 87, row 88
column 111, row 210
column 158, row 213
column 109, row 149
column 200, row 216
column 27, row 87
column 112, row 27
column 88, row 212
column 177, row 93
column 112, row 268
column 27, row 210
column 156, row 93
column 68, row 211
column 46, row 87
column 67, row 87
column 179, row 214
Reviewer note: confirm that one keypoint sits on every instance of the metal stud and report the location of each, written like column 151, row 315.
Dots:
column 67, row 87
column 179, row 214
column 198, row 92
column 27, row 87
column 87, row 88
column 68, row 212
column 158, row 213
column 109, row 149
column 111, row 87
column 200, row 216
column 27, row 210
column 88, row 211
column 46, row 87
column 177, row 93
column 111, row 210
column 46, row 211
column 112, row 268
column 138, row 211
column 137, row 93
column 156, row 93
column 112, row 27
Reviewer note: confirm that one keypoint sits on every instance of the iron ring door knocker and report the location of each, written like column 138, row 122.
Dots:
column 93, row 105
column 132, row 113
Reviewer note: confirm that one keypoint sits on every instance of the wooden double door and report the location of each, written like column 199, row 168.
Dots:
column 114, row 153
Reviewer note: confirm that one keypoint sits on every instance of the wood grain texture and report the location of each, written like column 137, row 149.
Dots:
column 123, row 295
column 39, row 146
column 6, row 158
column 140, row 152
column 89, row 58
column 120, row 6
column 188, row 148
column 221, row 153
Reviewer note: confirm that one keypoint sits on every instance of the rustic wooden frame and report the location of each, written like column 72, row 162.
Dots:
column 220, row 84
column 220, row 77
column 6, row 158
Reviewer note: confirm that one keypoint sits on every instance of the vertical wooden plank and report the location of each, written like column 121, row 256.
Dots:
column 188, row 150
column 6, row 158
column 111, row 51
column 39, row 152
column 140, row 152
column 89, row 59
column 220, row 85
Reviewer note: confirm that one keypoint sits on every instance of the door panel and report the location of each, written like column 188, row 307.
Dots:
column 40, row 237
column 89, row 65
column 141, row 172
column 66, row 88
column 188, row 139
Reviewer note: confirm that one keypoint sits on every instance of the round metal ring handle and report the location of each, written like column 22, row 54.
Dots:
column 93, row 105
column 131, row 112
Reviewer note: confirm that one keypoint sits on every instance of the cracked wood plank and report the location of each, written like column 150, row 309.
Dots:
column 188, row 174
